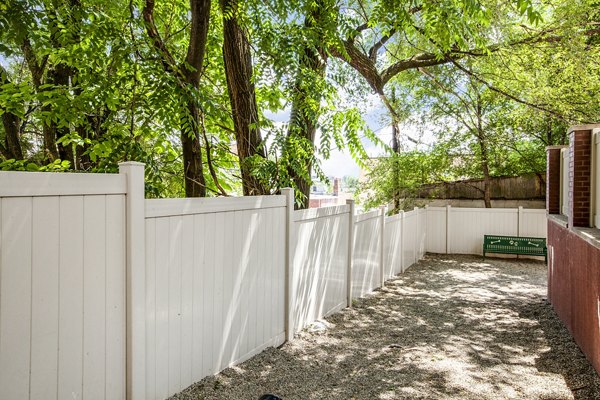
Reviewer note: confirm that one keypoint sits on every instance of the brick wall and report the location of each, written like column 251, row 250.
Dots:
column 553, row 179
column 580, row 152
column 574, row 287
column 574, row 248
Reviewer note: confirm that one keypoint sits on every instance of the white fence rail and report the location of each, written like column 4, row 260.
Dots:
column 106, row 295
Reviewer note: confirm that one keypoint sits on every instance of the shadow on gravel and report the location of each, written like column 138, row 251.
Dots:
column 564, row 356
column 451, row 327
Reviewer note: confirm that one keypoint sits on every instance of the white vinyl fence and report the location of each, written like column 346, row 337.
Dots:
column 214, row 286
column 106, row 295
column 320, row 263
column 367, row 261
column 62, row 286
column 453, row 230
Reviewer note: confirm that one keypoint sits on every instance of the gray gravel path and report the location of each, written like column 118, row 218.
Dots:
column 451, row 327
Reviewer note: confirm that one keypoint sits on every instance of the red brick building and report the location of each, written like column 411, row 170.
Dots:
column 573, row 205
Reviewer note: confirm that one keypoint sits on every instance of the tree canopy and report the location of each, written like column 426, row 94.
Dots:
column 187, row 87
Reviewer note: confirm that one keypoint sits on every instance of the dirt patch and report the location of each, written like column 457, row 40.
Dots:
column 451, row 327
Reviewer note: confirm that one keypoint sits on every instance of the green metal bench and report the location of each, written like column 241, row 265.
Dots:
column 528, row 246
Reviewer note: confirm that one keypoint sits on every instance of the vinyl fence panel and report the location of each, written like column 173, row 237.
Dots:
column 214, row 286
column 421, row 233
column 62, row 285
column 106, row 295
column 410, row 239
column 393, row 245
column 366, row 269
column 320, row 263
column 533, row 223
column 467, row 226
column 436, row 229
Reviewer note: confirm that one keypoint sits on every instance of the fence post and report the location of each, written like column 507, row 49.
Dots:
column 448, row 210
column 425, row 248
column 350, row 202
column 135, row 281
column 520, row 221
column 416, row 249
column 289, row 264
column 382, row 245
column 401, row 240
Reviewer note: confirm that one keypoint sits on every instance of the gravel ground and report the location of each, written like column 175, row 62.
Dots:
column 451, row 327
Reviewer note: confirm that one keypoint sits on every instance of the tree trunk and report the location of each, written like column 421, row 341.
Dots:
column 195, row 183
column 238, row 71
column 303, row 120
column 11, row 148
column 396, row 166
column 396, row 150
column 487, row 181
column 12, row 145
column 487, row 188
column 187, row 75
column 59, row 76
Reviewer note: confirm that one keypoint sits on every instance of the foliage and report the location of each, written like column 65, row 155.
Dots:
column 84, row 87
column 350, row 183
column 399, row 177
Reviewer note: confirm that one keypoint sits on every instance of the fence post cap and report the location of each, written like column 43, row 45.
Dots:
column 131, row 163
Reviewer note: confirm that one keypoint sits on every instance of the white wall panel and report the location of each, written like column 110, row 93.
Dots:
column 15, row 301
column 421, row 233
column 70, row 326
column 436, row 229
column 44, row 297
column 533, row 223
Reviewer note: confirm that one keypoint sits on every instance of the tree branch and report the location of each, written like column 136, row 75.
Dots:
column 357, row 31
column 200, row 10
column 167, row 58
column 36, row 69
column 209, row 161
column 506, row 94
column 375, row 48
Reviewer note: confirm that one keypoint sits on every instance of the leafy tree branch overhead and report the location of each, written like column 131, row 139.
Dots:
column 186, row 86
